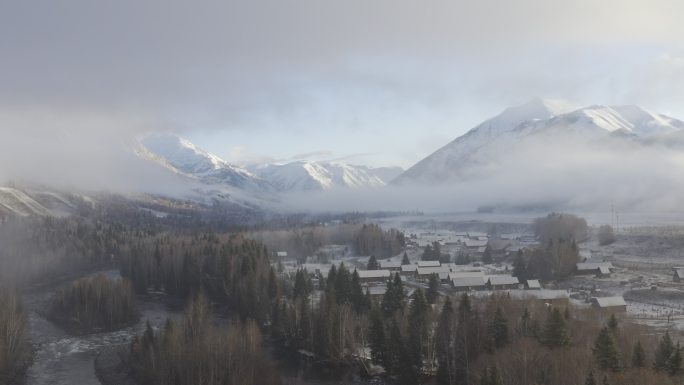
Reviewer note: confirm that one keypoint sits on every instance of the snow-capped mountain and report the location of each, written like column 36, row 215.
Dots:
column 308, row 175
column 485, row 146
column 183, row 157
column 191, row 162
column 40, row 202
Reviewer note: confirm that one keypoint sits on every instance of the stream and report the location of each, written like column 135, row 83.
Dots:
column 64, row 359
column 61, row 358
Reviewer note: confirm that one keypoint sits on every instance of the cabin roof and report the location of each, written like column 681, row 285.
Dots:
column 503, row 280
column 603, row 302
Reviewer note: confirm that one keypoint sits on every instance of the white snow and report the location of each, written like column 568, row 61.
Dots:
column 308, row 175
column 183, row 157
column 19, row 203
column 495, row 136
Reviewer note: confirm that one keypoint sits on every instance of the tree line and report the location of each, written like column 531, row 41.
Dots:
column 95, row 304
column 228, row 268
column 199, row 351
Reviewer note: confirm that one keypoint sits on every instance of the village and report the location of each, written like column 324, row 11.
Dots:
column 612, row 278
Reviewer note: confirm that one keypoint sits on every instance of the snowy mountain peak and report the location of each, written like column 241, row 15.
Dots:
column 182, row 154
column 537, row 108
column 184, row 157
column 629, row 119
column 512, row 117
column 540, row 118
column 309, row 175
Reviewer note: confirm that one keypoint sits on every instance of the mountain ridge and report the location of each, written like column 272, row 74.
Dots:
column 536, row 118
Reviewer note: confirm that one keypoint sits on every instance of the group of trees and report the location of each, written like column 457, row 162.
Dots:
column 606, row 235
column 14, row 337
column 434, row 253
column 198, row 351
column 557, row 226
column 334, row 328
column 230, row 269
column 96, row 303
column 492, row 341
column 372, row 239
column 557, row 255
column 555, row 260
column 400, row 337
column 501, row 341
column 37, row 249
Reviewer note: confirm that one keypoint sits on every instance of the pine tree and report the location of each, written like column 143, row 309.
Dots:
column 525, row 323
column 466, row 340
column 399, row 288
column 300, row 285
column 638, row 356
column 613, row 325
column 377, row 340
column 663, row 353
column 405, row 260
column 433, row 289
column 332, row 277
column 499, row 329
column 343, row 285
column 590, row 379
column 387, row 304
column 372, row 263
column 519, row 267
column 444, row 336
column 418, row 327
column 395, row 349
column 394, row 297
column 606, row 352
column 427, row 253
column 555, row 334
column 487, row 255
column 358, row 299
column 272, row 284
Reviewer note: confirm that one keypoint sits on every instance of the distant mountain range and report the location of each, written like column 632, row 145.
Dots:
column 477, row 152
column 183, row 157
column 564, row 133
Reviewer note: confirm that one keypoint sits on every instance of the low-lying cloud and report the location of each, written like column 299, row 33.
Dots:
column 536, row 174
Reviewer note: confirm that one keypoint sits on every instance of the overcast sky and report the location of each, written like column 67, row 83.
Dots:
column 378, row 82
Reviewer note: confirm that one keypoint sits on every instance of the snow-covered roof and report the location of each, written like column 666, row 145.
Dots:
column 503, row 280
column 679, row 271
column 281, row 253
column 583, row 266
column 409, row 268
column 475, row 243
column 432, row 270
column 374, row 273
column 604, row 270
column 468, row 281
column 533, row 284
column 462, row 274
column 390, row 264
column 603, row 302
column 429, row 263
column 499, row 244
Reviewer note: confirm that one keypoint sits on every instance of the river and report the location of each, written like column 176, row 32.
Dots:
column 61, row 358
column 64, row 359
